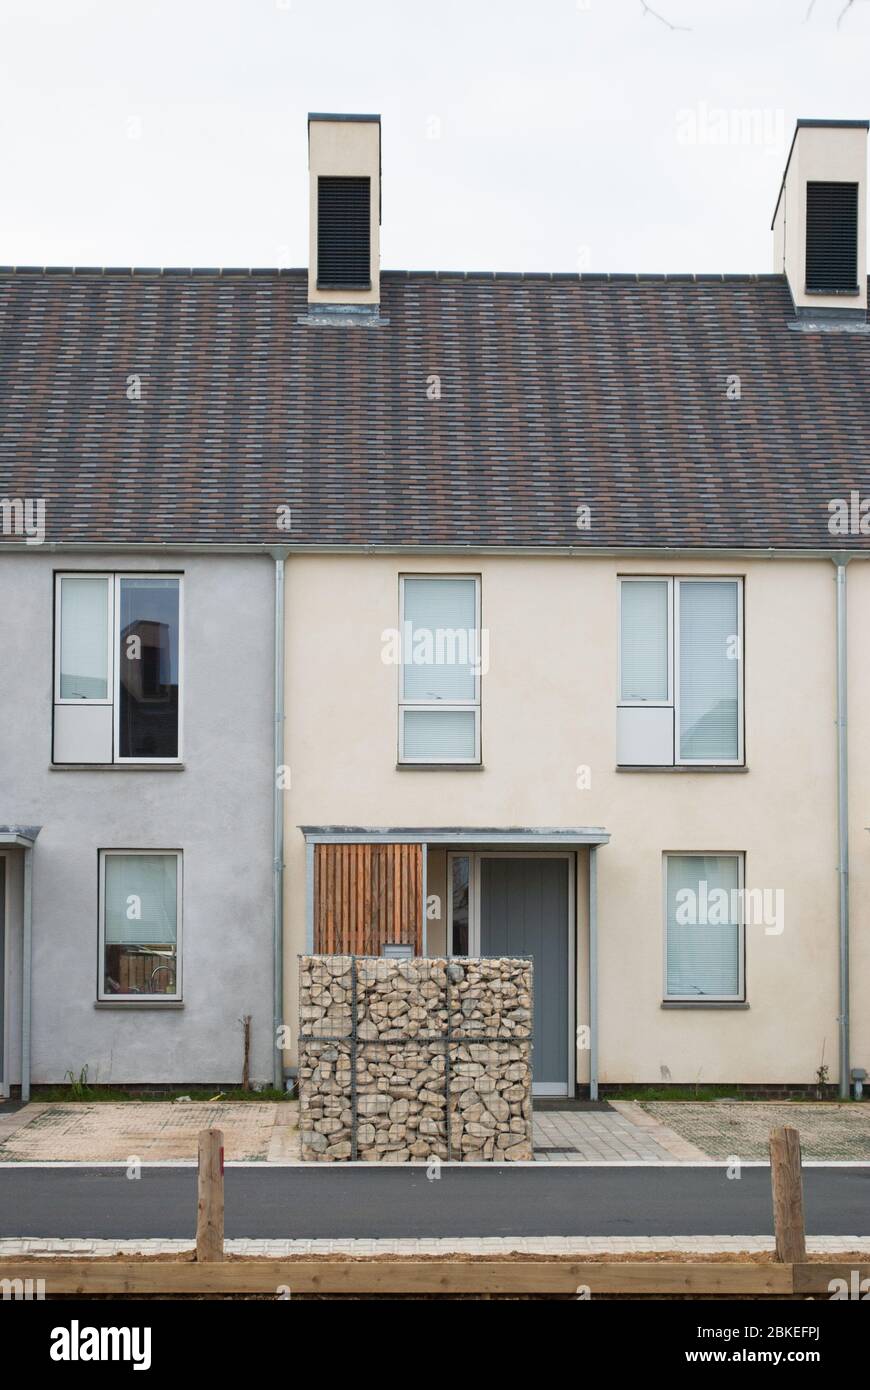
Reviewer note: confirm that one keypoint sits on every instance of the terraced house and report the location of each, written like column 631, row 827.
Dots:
column 412, row 613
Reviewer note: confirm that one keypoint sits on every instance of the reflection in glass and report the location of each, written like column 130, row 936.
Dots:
column 141, row 924
column 459, row 905
column 148, row 668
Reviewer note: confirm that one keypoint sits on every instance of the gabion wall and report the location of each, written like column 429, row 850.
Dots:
column 404, row 1060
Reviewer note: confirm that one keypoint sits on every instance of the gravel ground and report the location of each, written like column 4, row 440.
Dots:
column 742, row 1128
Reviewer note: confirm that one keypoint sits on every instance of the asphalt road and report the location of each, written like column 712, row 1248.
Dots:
column 306, row 1203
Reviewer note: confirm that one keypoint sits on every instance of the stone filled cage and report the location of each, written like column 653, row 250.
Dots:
column 415, row 1059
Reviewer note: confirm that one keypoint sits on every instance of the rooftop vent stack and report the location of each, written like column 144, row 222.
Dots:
column 344, row 163
column 820, row 220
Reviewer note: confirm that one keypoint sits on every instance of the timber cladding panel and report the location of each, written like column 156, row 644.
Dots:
column 367, row 896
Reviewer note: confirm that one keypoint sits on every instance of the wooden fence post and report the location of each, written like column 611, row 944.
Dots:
column 210, row 1196
column 788, row 1195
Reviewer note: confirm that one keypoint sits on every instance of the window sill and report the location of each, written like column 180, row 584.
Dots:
column 439, row 767
column 139, row 1004
column 681, row 767
column 116, row 767
column 704, row 1004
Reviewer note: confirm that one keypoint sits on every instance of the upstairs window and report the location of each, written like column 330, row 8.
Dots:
column 680, row 672
column 344, row 233
column 832, row 238
column 439, row 693
column 146, row 711
column 117, row 668
column 85, row 647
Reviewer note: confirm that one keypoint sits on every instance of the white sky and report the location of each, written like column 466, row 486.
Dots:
column 173, row 132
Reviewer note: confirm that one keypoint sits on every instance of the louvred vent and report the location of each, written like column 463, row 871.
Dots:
column 832, row 237
column 343, row 233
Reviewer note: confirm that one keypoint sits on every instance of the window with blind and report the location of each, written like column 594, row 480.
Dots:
column 704, row 928
column 117, row 668
column 680, row 672
column 439, row 683
column 140, row 924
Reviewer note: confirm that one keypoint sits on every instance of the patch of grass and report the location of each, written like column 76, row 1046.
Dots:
column 78, row 1090
column 712, row 1093
column 236, row 1094
column 78, row 1085
column 676, row 1093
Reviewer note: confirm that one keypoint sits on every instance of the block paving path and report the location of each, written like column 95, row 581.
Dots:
column 623, row 1134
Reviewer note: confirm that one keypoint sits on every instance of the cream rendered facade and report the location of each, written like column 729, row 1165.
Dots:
column 548, row 708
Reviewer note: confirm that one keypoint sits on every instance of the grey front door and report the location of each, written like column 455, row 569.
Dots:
column 524, row 911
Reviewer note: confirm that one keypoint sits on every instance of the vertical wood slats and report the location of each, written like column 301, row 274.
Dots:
column 366, row 895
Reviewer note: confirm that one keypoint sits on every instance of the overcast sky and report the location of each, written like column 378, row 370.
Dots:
column 557, row 135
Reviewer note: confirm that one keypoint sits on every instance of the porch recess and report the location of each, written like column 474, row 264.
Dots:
column 366, row 889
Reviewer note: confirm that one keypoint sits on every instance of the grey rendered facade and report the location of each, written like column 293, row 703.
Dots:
column 215, row 806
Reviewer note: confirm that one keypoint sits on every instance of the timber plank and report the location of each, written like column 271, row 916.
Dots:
column 64, row 1276
column 814, row 1278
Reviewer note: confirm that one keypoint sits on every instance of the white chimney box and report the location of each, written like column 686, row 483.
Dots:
column 344, row 162
column 820, row 220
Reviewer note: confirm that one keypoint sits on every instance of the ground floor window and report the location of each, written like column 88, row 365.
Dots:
column 140, row 923
column 704, row 926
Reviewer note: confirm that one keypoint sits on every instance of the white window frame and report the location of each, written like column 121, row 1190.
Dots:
column 102, row 995
column 113, row 579
column 673, row 702
column 701, row 999
column 708, row 762
column 453, row 706
column 116, row 721
column 58, row 628
column 646, row 704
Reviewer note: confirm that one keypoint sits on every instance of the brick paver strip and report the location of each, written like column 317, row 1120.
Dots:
column 499, row 1245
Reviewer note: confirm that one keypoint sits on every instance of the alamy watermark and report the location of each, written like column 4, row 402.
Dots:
column 77, row 1343
column 723, row 907
column 22, row 1290
column 23, row 516
column 440, row 646
column 849, row 516
column 731, row 125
